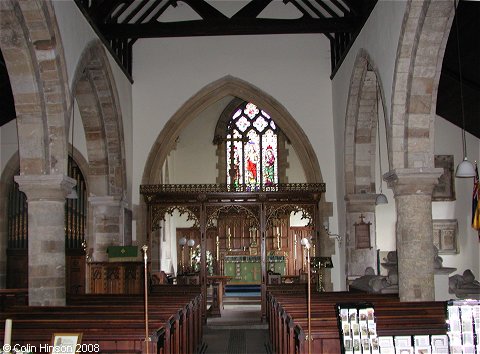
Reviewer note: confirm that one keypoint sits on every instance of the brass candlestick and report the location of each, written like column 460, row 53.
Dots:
column 147, row 337
column 307, row 245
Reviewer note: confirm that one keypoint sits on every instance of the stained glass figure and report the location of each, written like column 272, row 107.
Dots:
column 252, row 151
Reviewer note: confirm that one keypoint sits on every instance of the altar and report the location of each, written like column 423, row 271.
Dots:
column 248, row 269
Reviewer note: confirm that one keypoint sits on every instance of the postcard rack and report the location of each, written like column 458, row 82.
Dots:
column 464, row 326
column 357, row 327
column 358, row 335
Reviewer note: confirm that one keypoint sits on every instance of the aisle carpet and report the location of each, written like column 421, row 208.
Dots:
column 238, row 331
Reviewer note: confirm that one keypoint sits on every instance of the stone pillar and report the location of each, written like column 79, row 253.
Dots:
column 358, row 260
column 414, row 231
column 46, row 236
column 107, row 225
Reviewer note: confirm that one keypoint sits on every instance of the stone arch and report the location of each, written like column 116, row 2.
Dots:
column 97, row 98
column 96, row 94
column 33, row 53
column 421, row 48
column 412, row 175
column 361, row 126
column 361, row 123
column 230, row 86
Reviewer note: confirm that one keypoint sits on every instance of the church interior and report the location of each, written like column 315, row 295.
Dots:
column 220, row 176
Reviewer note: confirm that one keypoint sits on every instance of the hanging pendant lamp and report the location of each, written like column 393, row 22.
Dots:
column 465, row 168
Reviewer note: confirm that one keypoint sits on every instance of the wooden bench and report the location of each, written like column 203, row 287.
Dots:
column 11, row 297
column 288, row 322
column 116, row 323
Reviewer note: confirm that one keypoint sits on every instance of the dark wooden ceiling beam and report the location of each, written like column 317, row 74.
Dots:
column 252, row 9
column 342, row 8
column 325, row 7
column 101, row 10
column 126, row 5
column 354, row 6
column 147, row 12
column 135, row 11
column 204, row 9
column 229, row 27
column 314, row 10
column 162, row 9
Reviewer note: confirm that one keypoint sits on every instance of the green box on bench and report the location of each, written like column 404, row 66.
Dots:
column 123, row 254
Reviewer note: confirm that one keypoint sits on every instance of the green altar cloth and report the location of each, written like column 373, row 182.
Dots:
column 248, row 269
column 123, row 254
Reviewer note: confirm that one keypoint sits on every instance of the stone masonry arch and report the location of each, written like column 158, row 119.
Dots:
column 423, row 39
column 237, row 88
column 96, row 94
column 33, row 53
column 412, row 175
column 97, row 98
column 362, row 118
column 229, row 86
column 34, row 57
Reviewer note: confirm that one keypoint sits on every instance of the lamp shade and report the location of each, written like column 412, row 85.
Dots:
column 381, row 199
column 182, row 241
column 305, row 242
column 465, row 169
column 191, row 242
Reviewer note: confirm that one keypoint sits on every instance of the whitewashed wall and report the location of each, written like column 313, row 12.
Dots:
column 448, row 141
column 76, row 34
column 293, row 69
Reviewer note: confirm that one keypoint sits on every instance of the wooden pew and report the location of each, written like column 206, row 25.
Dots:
column 115, row 322
column 288, row 322
column 11, row 297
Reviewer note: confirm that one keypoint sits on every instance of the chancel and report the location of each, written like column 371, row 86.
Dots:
column 231, row 162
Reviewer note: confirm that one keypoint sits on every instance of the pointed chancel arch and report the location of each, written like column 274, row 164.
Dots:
column 230, row 86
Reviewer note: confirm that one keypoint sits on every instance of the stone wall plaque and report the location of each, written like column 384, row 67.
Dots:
column 445, row 236
column 445, row 189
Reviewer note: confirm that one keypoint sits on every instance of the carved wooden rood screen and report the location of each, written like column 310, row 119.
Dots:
column 232, row 224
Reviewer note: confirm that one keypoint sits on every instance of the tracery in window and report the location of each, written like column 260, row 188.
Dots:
column 252, row 152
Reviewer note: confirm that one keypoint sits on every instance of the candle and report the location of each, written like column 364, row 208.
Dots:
column 7, row 339
column 295, row 247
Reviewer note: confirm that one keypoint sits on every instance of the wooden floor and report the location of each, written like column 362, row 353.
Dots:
column 238, row 331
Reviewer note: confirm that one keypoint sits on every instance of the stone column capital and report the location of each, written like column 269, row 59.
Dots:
column 45, row 187
column 106, row 200
column 361, row 202
column 413, row 181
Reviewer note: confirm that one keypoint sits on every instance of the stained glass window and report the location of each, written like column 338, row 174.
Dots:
column 251, row 148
